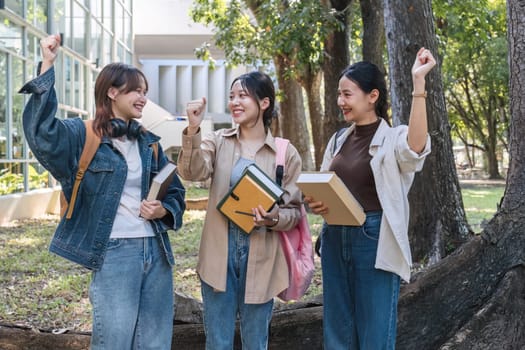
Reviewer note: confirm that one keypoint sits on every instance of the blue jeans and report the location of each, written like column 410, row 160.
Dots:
column 132, row 297
column 360, row 302
column 222, row 308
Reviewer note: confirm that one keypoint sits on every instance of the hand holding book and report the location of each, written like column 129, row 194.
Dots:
column 250, row 199
column 327, row 195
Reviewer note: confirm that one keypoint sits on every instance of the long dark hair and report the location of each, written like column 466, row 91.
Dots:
column 368, row 77
column 259, row 85
column 121, row 76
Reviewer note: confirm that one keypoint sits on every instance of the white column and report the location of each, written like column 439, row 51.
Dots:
column 167, row 86
column 216, row 90
column 151, row 71
column 183, row 88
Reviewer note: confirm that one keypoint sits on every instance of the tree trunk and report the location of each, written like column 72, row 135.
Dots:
column 373, row 32
column 312, row 85
column 337, row 57
column 437, row 220
column 474, row 299
column 292, row 121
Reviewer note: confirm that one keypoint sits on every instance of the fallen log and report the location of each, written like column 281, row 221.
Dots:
column 294, row 326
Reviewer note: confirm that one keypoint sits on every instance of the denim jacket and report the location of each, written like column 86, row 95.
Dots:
column 57, row 144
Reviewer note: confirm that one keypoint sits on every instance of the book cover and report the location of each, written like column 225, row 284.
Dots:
column 253, row 188
column 161, row 182
column 327, row 187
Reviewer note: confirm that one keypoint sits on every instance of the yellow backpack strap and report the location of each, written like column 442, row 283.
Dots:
column 90, row 148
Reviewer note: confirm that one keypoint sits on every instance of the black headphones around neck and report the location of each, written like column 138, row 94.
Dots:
column 131, row 129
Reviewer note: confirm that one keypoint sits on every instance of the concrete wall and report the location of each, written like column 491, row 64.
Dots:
column 32, row 204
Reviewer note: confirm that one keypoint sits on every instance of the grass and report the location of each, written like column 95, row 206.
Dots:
column 41, row 290
column 481, row 202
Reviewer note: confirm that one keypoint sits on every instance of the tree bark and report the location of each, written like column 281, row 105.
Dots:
column 373, row 32
column 312, row 84
column 293, row 328
column 337, row 56
column 292, row 119
column 437, row 221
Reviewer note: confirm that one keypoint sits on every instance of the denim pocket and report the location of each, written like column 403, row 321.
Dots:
column 114, row 243
column 98, row 174
column 371, row 227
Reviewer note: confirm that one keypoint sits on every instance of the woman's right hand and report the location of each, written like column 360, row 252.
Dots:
column 195, row 111
column 49, row 46
column 317, row 207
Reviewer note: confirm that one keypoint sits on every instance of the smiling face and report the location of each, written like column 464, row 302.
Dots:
column 356, row 105
column 128, row 105
column 245, row 109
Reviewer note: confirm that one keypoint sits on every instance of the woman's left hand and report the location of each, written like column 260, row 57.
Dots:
column 150, row 210
column 424, row 62
column 264, row 218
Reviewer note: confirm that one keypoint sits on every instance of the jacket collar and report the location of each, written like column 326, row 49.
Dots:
column 269, row 141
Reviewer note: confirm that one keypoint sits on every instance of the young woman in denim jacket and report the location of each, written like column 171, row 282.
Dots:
column 240, row 273
column 362, row 265
column 113, row 230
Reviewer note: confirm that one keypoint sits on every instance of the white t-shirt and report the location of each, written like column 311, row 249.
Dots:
column 128, row 223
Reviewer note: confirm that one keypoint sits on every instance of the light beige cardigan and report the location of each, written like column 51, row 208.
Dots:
column 214, row 156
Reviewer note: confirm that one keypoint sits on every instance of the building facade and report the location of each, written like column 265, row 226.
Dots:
column 165, row 40
column 94, row 32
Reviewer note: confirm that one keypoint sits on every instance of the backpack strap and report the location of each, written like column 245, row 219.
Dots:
column 155, row 147
column 337, row 134
column 280, row 158
column 90, row 148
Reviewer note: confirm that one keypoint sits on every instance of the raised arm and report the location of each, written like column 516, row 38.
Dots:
column 49, row 46
column 417, row 125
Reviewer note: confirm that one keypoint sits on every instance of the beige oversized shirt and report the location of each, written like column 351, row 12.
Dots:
column 214, row 156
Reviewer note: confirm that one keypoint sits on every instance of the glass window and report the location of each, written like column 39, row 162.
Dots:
column 119, row 22
column 10, row 35
column 120, row 53
column 59, row 77
column 37, row 13
column 79, row 29
column 129, row 58
column 127, row 5
column 67, row 80
column 95, row 54
column 108, row 48
column 62, row 19
column 3, row 105
column 77, row 83
column 33, row 49
column 108, row 14
column 17, row 139
column 127, row 31
column 96, row 8
column 15, row 6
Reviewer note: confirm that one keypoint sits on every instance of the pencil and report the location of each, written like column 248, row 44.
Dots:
column 253, row 215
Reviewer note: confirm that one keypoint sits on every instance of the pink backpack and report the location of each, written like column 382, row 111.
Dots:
column 296, row 243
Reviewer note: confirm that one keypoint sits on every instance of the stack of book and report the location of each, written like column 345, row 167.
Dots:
column 253, row 188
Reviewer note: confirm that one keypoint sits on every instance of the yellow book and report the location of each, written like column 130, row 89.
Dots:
column 254, row 188
column 327, row 187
